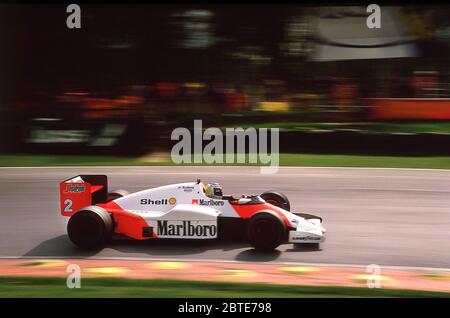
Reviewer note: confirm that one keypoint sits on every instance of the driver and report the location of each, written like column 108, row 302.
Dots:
column 214, row 190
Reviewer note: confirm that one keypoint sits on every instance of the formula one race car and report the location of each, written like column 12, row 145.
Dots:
column 190, row 210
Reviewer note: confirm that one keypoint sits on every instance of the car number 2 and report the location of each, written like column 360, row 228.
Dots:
column 68, row 205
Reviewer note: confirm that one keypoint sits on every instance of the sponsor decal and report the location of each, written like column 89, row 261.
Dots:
column 209, row 202
column 186, row 188
column 170, row 201
column 306, row 238
column 186, row 228
column 75, row 188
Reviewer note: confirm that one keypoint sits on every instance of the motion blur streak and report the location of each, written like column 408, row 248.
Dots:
column 132, row 74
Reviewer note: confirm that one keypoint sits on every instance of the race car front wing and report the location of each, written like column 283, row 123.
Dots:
column 309, row 231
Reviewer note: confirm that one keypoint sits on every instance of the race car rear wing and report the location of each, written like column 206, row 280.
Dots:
column 82, row 190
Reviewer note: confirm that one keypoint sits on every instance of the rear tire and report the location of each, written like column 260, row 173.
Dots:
column 90, row 228
column 277, row 198
column 266, row 231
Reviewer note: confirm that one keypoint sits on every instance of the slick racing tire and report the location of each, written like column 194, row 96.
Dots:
column 266, row 231
column 116, row 194
column 90, row 228
column 277, row 198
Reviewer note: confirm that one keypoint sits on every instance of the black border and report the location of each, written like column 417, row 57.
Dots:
column 156, row 307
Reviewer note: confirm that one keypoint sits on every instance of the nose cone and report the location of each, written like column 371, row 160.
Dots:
column 307, row 231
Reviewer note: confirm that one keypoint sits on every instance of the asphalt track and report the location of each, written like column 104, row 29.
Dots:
column 391, row 217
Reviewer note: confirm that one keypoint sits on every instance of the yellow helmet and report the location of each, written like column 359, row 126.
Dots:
column 213, row 190
column 208, row 190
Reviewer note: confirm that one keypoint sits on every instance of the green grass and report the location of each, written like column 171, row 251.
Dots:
column 322, row 160
column 364, row 161
column 19, row 160
column 120, row 287
column 380, row 127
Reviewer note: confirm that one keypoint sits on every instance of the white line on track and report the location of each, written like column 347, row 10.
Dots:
column 199, row 260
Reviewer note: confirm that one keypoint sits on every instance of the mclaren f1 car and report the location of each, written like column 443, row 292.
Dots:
column 191, row 210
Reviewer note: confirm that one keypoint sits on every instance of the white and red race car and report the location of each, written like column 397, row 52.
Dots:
column 190, row 210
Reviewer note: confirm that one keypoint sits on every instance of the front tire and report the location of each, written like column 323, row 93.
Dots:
column 277, row 198
column 90, row 228
column 266, row 231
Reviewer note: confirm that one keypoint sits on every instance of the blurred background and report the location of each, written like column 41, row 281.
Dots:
column 131, row 74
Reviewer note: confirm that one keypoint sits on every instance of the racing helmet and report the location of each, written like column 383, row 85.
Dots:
column 214, row 190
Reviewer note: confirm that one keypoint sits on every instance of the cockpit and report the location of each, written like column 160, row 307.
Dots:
column 214, row 190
